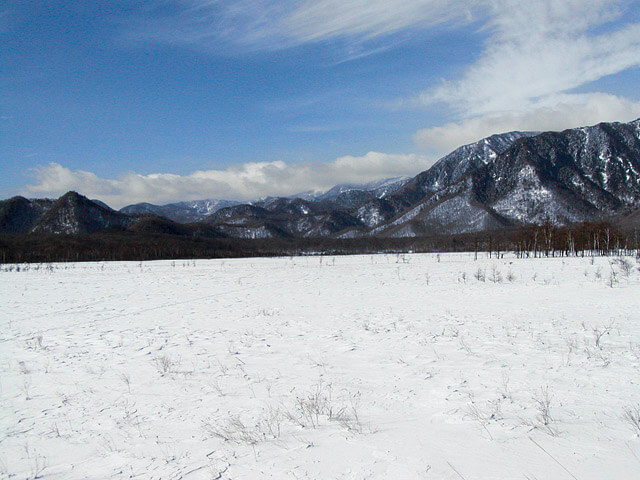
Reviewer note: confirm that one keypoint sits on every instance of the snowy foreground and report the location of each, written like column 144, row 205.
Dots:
column 389, row 367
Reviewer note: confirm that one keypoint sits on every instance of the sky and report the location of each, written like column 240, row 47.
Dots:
column 168, row 100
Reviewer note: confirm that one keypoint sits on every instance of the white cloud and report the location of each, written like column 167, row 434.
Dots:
column 557, row 113
column 537, row 54
column 275, row 24
column 538, row 49
column 324, row 19
column 243, row 182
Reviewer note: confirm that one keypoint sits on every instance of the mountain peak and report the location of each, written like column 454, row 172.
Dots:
column 74, row 213
column 504, row 180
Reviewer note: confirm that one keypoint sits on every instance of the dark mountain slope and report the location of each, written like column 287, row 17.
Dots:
column 566, row 177
column 19, row 215
column 151, row 224
column 504, row 181
column 73, row 213
column 583, row 174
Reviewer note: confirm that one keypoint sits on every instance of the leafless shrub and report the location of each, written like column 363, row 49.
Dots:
column 293, row 418
column 271, row 422
column 348, row 416
column 234, row 430
column 308, row 411
column 216, row 386
column 626, row 267
column 38, row 466
column 464, row 346
column 599, row 332
column 480, row 275
column 38, row 462
column 511, row 277
column 632, row 416
column 572, row 343
column 107, row 445
column 479, row 416
column 496, row 276
column 223, row 368
column 311, row 407
column 165, row 364
column 505, row 391
column 543, row 401
column 55, row 431
column 126, row 379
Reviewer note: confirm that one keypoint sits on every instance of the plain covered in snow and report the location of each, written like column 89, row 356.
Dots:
column 384, row 366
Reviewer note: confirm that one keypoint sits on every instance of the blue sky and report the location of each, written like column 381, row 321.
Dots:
column 168, row 100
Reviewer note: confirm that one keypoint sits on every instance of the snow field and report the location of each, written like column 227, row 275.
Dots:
column 383, row 366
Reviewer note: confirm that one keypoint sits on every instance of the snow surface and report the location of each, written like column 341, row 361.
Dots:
column 384, row 366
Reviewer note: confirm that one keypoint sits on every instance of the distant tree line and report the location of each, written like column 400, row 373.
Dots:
column 576, row 240
column 527, row 242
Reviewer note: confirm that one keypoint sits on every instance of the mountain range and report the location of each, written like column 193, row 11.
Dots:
column 503, row 181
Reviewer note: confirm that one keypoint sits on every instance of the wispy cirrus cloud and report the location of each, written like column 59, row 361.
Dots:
column 534, row 69
column 325, row 19
column 270, row 25
column 536, row 55
column 241, row 182
column 538, row 49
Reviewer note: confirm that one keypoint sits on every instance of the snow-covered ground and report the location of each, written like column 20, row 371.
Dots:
column 385, row 366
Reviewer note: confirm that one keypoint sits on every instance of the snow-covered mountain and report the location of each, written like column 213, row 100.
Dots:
column 72, row 213
column 181, row 212
column 503, row 181
column 378, row 189
column 582, row 174
column 197, row 210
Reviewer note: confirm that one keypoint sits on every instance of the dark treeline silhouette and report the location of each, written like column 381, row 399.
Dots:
column 577, row 240
column 532, row 241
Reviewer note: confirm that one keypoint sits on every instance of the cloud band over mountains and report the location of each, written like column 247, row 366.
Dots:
column 248, row 181
column 539, row 67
